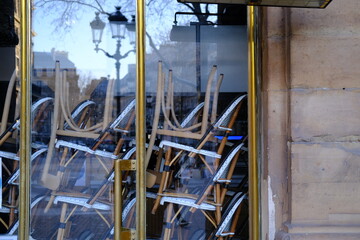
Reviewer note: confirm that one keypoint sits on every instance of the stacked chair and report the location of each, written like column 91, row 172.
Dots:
column 195, row 123
column 68, row 169
column 190, row 160
column 10, row 158
column 171, row 190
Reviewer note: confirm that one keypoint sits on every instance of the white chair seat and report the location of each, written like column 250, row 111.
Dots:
column 188, row 202
column 82, row 202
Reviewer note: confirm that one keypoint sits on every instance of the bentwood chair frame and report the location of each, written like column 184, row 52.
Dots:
column 10, row 160
column 40, row 150
column 13, row 228
column 230, row 218
column 190, row 127
column 210, row 198
column 78, row 154
column 39, row 107
column 224, row 125
column 64, row 125
column 79, row 200
column 231, row 222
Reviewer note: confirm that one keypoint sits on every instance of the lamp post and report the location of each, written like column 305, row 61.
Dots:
column 118, row 24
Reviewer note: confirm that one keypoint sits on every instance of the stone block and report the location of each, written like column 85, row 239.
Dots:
column 326, row 162
column 324, row 184
column 317, row 236
column 339, row 18
column 325, row 115
column 275, row 152
column 276, row 116
column 325, row 61
column 325, row 236
column 275, row 22
column 315, row 202
column 275, row 65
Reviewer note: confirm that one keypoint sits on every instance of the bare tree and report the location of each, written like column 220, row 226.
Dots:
column 65, row 11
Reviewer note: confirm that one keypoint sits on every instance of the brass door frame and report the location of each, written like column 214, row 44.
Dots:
column 25, row 123
column 140, row 121
column 253, row 76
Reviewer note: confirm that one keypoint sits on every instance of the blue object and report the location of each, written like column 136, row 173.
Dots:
column 230, row 137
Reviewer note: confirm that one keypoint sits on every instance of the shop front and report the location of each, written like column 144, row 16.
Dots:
column 134, row 120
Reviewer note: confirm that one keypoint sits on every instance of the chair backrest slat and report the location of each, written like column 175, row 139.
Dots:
column 224, row 167
column 226, row 115
column 224, row 227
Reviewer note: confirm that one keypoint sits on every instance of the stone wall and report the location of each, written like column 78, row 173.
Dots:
column 311, row 122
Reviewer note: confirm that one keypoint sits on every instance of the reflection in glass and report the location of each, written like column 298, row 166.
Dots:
column 97, row 27
column 118, row 24
column 84, row 119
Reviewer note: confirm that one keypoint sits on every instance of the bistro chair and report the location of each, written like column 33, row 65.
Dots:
column 128, row 215
column 229, row 221
column 229, row 224
column 74, row 155
column 9, row 157
column 210, row 198
column 62, row 119
column 13, row 228
column 38, row 110
column 40, row 115
column 223, row 126
column 102, row 209
column 191, row 126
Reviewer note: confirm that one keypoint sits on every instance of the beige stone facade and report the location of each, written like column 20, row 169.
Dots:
column 311, row 122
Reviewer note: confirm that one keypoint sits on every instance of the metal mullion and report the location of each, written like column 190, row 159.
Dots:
column 254, row 190
column 25, row 121
column 140, row 122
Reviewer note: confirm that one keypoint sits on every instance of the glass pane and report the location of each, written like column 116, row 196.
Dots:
column 88, row 122
column 9, row 112
column 83, row 121
column 196, row 71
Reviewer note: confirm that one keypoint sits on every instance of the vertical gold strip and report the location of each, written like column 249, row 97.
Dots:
column 118, row 200
column 140, row 121
column 25, row 121
column 253, row 159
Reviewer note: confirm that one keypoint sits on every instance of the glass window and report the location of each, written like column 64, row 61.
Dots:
column 83, row 120
column 197, row 82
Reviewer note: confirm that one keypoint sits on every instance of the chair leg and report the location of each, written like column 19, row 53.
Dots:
column 5, row 137
column 164, row 180
column 13, row 195
column 12, row 205
column 167, row 232
column 236, row 218
column 62, row 225
column 218, row 204
column 50, row 203
column 202, row 198
column 97, row 194
column 130, row 221
column 186, row 231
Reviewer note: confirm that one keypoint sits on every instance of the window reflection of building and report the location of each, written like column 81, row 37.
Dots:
column 221, row 45
column 44, row 74
column 127, row 84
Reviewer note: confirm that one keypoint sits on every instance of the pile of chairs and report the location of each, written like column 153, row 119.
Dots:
column 194, row 168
